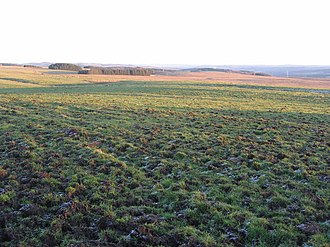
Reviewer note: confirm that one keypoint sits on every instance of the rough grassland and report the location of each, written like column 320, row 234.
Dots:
column 45, row 77
column 143, row 163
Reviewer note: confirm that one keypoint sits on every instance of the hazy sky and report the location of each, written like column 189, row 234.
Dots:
column 166, row 31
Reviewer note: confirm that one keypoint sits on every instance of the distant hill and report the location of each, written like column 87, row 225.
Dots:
column 303, row 71
column 245, row 72
column 41, row 64
column 10, row 64
column 107, row 65
column 286, row 70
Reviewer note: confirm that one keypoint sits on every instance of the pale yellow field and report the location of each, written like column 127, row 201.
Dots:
column 31, row 77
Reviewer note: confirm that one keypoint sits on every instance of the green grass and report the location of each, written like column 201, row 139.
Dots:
column 164, row 164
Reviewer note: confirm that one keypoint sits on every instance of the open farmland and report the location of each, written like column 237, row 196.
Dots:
column 190, row 160
column 44, row 77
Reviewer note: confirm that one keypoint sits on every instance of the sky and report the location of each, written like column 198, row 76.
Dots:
column 212, row 32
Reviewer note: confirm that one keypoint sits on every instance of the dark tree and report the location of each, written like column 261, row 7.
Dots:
column 64, row 66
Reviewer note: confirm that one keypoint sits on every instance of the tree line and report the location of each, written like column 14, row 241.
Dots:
column 116, row 71
column 65, row 66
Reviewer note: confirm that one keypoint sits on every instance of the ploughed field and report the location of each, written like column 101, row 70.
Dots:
column 161, row 163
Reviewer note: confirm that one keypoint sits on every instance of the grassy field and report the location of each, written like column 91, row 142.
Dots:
column 161, row 163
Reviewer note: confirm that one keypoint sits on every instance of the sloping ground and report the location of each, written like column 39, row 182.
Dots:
column 157, row 163
column 44, row 77
column 252, row 80
column 219, row 77
column 5, row 83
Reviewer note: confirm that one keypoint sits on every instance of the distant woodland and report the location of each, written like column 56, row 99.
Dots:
column 116, row 71
column 65, row 66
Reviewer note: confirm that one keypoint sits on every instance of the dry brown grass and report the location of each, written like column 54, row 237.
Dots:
column 214, row 77
column 42, row 77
